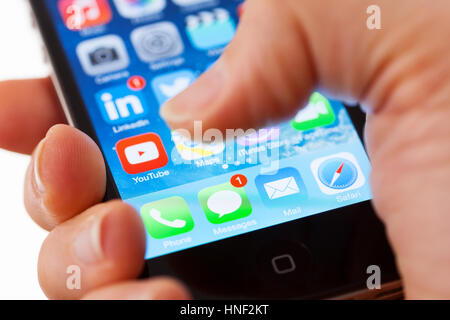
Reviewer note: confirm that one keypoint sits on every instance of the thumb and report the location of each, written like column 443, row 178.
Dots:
column 284, row 49
column 258, row 77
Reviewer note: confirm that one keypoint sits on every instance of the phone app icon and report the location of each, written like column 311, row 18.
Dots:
column 102, row 55
column 133, row 9
column 121, row 104
column 317, row 113
column 157, row 41
column 210, row 29
column 190, row 150
column 142, row 153
column 167, row 217
column 82, row 14
column 169, row 85
column 281, row 188
column 224, row 203
column 337, row 173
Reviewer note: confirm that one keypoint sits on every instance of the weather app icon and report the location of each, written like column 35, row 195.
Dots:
column 337, row 173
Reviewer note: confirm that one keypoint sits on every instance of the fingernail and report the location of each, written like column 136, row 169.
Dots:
column 196, row 99
column 37, row 166
column 88, row 244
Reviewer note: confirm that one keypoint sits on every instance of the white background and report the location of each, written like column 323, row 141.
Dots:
column 20, row 239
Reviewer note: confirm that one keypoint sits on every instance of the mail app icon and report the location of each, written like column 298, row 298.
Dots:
column 283, row 188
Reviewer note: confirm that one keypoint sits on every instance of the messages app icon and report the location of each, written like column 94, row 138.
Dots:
column 167, row 217
column 224, row 203
column 317, row 113
column 281, row 188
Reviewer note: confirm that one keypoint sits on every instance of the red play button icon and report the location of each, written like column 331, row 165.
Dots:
column 142, row 153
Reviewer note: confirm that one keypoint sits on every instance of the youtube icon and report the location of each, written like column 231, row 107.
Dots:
column 142, row 153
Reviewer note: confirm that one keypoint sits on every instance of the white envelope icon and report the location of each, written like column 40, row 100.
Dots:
column 281, row 188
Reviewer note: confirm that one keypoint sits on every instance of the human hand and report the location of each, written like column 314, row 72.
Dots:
column 64, row 184
column 400, row 74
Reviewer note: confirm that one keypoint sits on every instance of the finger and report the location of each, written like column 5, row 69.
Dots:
column 409, row 179
column 103, row 245
column 152, row 289
column 28, row 108
column 400, row 73
column 264, row 74
column 65, row 177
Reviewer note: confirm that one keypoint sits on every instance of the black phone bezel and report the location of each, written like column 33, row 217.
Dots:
column 368, row 247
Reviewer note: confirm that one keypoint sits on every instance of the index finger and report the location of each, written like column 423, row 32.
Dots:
column 28, row 108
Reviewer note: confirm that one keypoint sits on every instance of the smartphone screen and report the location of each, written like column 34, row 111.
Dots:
column 128, row 57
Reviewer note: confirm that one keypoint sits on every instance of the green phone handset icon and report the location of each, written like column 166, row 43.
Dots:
column 177, row 223
column 167, row 217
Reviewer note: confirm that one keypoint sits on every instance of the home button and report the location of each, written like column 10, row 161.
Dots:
column 284, row 268
column 283, row 264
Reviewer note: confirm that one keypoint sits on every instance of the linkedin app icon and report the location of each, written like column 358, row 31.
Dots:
column 121, row 105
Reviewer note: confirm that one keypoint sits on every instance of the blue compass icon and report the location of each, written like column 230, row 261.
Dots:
column 338, row 173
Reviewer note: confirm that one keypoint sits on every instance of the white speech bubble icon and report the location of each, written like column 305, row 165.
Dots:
column 224, row 202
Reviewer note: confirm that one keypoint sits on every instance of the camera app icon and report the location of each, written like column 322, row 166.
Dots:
column 157, row 41
column 102, row 55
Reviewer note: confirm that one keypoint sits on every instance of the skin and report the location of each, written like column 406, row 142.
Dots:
column 281, row 52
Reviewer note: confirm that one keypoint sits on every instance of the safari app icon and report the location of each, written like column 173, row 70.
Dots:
column 337, row 173
column 224, row 203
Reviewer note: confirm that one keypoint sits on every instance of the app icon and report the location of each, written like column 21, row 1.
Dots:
column 224, row 203
column 281, row 188
column 190, row 150
column 121, row 104
column 167, row 217
column 169, row 85
column 142, row 153
column 317, row 113
column 189, row 2
column 259, row 137
column 81, row 14
column 210, row 29
column 337, row 173
column 132, row 9
column 103, row 55
column 157, row 41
